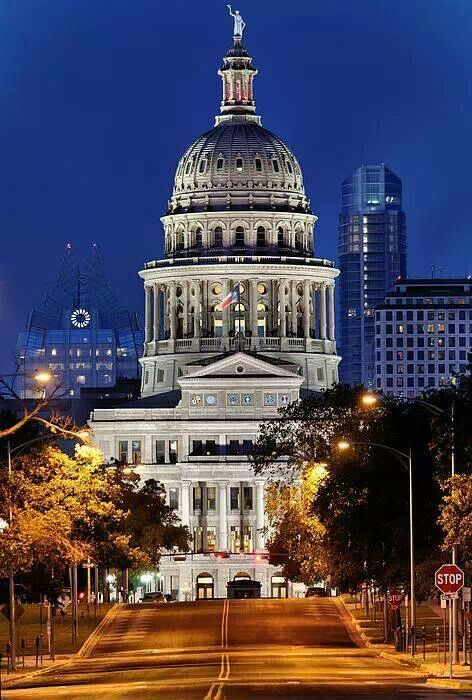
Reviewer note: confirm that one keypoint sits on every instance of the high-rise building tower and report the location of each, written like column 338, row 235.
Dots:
column 372, row 256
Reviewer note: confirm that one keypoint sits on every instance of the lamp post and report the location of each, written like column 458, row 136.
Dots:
column 405, row 459
column 82, row 435
column 369, row 399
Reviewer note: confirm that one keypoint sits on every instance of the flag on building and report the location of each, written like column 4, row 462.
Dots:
column 232, row 297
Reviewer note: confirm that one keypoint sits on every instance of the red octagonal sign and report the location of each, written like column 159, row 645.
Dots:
column 449, row 578
column 395, row 598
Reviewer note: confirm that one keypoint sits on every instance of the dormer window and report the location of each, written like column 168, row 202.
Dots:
column 275, row 165
column 289, row 167
column 258, row 164
column 188, row 167
column 219, row 164
column 239, row 165
column 202, row 166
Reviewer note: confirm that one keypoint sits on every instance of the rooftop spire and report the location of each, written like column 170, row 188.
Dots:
column 237, row 73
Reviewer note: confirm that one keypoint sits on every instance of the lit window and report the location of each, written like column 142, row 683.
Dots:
column 80, row 379
column 53, row 351
column 239, row 165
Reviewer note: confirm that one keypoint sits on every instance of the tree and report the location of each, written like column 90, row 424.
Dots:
column 354, row 525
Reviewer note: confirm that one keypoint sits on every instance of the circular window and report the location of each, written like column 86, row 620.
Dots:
column 242, row 288
column 178, row 292
column 240, row 369
column 261, row 288
column 217, row 289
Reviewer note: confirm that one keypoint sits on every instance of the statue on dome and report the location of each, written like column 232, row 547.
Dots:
column 239, row 23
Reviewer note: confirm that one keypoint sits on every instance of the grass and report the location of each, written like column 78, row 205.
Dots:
column 29, row 627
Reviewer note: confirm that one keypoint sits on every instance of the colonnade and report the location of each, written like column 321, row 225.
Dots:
column 188, row 308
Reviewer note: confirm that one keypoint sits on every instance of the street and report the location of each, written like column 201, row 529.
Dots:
column 211, row 650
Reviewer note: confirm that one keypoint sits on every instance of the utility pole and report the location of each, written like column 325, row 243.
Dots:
column 455, row 607
column 11, row 577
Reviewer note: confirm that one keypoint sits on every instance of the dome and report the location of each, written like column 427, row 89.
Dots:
column 238, row 165
column 241, row 159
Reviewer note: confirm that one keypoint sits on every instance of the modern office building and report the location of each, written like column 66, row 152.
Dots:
column 423, row 334
column 372, row 256
column 81, row 334
column 239, row 322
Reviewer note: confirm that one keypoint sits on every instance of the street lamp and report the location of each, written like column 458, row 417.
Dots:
column 406, row 460
column 368, row 399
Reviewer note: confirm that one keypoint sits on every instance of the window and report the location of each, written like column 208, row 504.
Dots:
column 247, row 498
column 234, row 497
column 319, row 374
column 160, row 452
column 280, row 237
column 289, row 167
column 173, row 451
column 198, row 237
column 275, row 165
column 239, row 235
column 202, row 166
column 160, row 375
column 233, row 447
column 123, row 451
column 197, row 447
column 53, row 351
column 248, row 538
column 218, row 235
column 188, row 166
column 80, row 379
column 261, row 239
column 198, row 539
column 211, row 498
column 235, row 539
column 197, row 498
column 239, row 165
column 219, row 164
column 258, row 164
column 211, row 539
column 211, row 447
column 174, row 498
column 136, row 451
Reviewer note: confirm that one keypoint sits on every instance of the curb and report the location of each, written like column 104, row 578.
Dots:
column 32, row 674
column 88, row 646
column 356, row 625
column 449, row 683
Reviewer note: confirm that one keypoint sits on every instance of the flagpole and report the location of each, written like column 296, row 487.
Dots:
column 239, row 316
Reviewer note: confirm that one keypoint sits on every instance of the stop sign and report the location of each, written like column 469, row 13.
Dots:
column 449, row 578
column 395, row 598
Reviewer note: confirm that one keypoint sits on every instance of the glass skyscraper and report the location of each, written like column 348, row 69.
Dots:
column 82, row 335
column 372, row 256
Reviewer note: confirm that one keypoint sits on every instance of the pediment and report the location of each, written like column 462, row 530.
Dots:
column 241, row 365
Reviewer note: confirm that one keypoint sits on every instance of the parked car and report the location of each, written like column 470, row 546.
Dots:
column 155, row 597
column 315, row 592
column 169, row 598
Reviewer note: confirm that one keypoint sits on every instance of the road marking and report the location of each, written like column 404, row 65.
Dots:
column 216, row 690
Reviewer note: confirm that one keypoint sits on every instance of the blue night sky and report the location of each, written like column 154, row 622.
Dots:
column 99, row 98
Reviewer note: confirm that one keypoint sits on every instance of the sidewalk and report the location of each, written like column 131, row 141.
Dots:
column 87, row 642
column 434, row 667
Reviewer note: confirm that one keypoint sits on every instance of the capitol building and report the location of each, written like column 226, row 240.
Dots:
column 239, row 322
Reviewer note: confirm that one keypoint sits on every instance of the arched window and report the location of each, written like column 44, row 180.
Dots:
column 239, row 237
column 217, row 320
column 219, row 164
column 180, row 240
column 239, row 319
column 261, row 237
column 199, row 238
column 280, row 237
column 218, row 236
column 261, row 319
column 298, row 242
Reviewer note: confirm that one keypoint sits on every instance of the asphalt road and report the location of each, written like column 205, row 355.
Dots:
column 214, row 650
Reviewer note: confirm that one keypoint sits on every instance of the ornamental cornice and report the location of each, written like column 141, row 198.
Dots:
column 233, row 216
column 219, row 271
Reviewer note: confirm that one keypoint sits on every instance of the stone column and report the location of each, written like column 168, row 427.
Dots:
column 185, row 300
column 226, row 311
column 196, row 309
column 148, row 313
column 323, row 311
column 306, row 308
column 293, row 304
column 260, row 520
column 185, row 503
column 222, row 516
column 253, row 308
column 283, row 324
column 173, row 309
column 331, row 312
column 157, row 312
